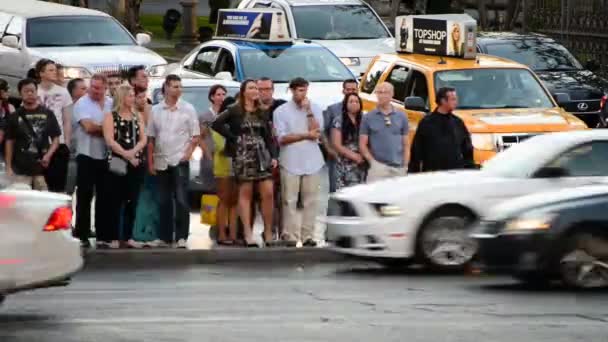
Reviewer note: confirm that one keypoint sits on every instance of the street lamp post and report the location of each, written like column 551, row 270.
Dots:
column 189, row 38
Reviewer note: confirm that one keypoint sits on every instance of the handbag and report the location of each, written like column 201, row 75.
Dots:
column 118, row 165
column 264, row 158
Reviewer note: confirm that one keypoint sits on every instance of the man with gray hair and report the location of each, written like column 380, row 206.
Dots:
column 383, row 137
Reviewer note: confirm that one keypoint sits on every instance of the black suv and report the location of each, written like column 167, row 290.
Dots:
column 584, row 93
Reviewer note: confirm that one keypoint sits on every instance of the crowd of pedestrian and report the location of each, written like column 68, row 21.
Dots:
column 133, row 158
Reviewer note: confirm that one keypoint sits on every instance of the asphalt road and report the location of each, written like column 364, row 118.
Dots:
column 292, row 303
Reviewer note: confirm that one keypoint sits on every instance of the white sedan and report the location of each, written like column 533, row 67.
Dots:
column 37, row 249
column 426, row 216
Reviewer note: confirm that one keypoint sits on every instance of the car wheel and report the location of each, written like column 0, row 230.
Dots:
column 580, row 263
column 444, row 243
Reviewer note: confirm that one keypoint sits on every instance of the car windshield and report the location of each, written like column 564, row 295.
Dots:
column 197, row 96
column 538, row 55
column 494, row 88
column 76, row 31
column 336, row 22
column 523, row 159
column 283, row 65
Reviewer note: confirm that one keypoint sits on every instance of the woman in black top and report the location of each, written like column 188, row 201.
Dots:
column 124, row 133
column 250, row 143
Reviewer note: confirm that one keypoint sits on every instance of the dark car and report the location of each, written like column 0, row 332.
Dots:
column 549, row 236
column 584, row 92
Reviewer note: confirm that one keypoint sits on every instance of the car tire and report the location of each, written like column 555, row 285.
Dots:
column 2, row 298
column 446, row 224
column 582, row 274
column 533, row 279
column 393, row 264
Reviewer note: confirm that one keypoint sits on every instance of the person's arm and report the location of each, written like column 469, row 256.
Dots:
column 336, row 140
column 404, row 139
column 287, row 138
column 364, row 131
column 195, row 133
column 91, row 128
column 46, row 159
column 143, row 139
column 467, row 148
column 67, row 125
column 108, row 135
column 150, row 151
column 9, row 147
column 54, row 132
column 223, row 124
column 415, row 164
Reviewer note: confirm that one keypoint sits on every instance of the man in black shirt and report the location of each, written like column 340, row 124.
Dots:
column 29, row 130
column 442, row 141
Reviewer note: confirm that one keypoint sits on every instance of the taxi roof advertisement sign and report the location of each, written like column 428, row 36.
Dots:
column 257, row 25
column 451, row 35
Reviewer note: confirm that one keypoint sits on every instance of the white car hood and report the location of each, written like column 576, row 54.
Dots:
column 399, row 189
column 362, row 48
column 322, row 94
column 101, row 55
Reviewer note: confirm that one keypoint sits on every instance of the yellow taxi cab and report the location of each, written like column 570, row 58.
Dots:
column 500, row 101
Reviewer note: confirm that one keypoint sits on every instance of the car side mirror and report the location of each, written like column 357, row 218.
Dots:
column 415, row 103
column 10, row 42
column 551, row 172
column 143, row 39
column 592, row 65
column 561, row 98
column 224, row 75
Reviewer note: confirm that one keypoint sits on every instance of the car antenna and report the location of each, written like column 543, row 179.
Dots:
column 441, row 60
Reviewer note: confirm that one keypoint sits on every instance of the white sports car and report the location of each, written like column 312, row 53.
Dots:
column 426, row 216
column 37, row 249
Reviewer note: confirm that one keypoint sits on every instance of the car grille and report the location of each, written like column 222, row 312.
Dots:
column 111, row 68
column 505, row 141
column 589, row 106
column 342, row 208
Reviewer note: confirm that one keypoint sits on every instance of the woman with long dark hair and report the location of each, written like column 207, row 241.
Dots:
column 350, row 166
column 5, row 109
column 250, row 144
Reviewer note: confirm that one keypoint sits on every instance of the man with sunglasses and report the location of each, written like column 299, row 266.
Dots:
column 383, row 137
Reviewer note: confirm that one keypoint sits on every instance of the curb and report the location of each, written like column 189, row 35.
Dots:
column 158, row 258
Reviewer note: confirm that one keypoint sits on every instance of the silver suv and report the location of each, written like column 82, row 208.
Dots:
column 84, row 41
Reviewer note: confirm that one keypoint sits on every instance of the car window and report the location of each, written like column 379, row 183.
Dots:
column 317, row 64
column 225, row 62
column 511, row 88
column 76, row 31
column 417, row 86
column 197, row 96
column 15, row 27
column 337, row 22
column 398, row 78
column 206, row 60
column 538, row 55
column 261, row 5
column 373, row 75
column 4, row 20
column 585, row 161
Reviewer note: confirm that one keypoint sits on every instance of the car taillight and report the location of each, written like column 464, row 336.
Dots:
column 603, row 101
column 6, row 201
column 61, row 219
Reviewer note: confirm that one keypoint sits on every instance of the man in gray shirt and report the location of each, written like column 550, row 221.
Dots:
column 91, row 159
column 383, row 137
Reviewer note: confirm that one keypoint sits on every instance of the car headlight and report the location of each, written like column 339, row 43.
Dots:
column 483, row 141
column 158, row 70
column 351, row 61
column 387, row 209
column 197, row 154
column 76, row 72
column 530, row 223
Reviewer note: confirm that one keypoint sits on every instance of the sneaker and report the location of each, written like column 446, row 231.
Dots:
column 102, row 245
column 153, row 243
column 310, row 243
column 134, row 244
column 290, row 243
column 162, row 244
column 114, row 244
column 86, row 244
column 181, row 244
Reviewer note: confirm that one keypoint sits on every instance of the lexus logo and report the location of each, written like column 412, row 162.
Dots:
column 582, row 106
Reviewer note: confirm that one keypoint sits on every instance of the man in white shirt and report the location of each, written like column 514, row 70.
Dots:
column 298, row 124
column 174, row 133
column 58, row 100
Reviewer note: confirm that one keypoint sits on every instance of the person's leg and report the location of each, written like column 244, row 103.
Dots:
column 114, row 196
column 85, row 186
column 290, row 188
column 166, row 206
column 182, row 201
column 377, row 171
column 39, row 183
column 56, row 175
column 245, row 194
column 266, row 191
column 310, row 199
column 103, row 202
column 133, row 188
column 223, row 189
column 232, row 203
column 322, row 204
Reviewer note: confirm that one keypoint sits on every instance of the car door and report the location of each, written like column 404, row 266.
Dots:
column 204, row 63
column 14, row 61
column 15, row 240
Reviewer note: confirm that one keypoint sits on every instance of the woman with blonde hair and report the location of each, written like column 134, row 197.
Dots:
column 124, row 134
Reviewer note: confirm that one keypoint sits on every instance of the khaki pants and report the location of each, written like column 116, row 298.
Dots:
column 35, row 182
column 291, row 186
column 378, row 171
